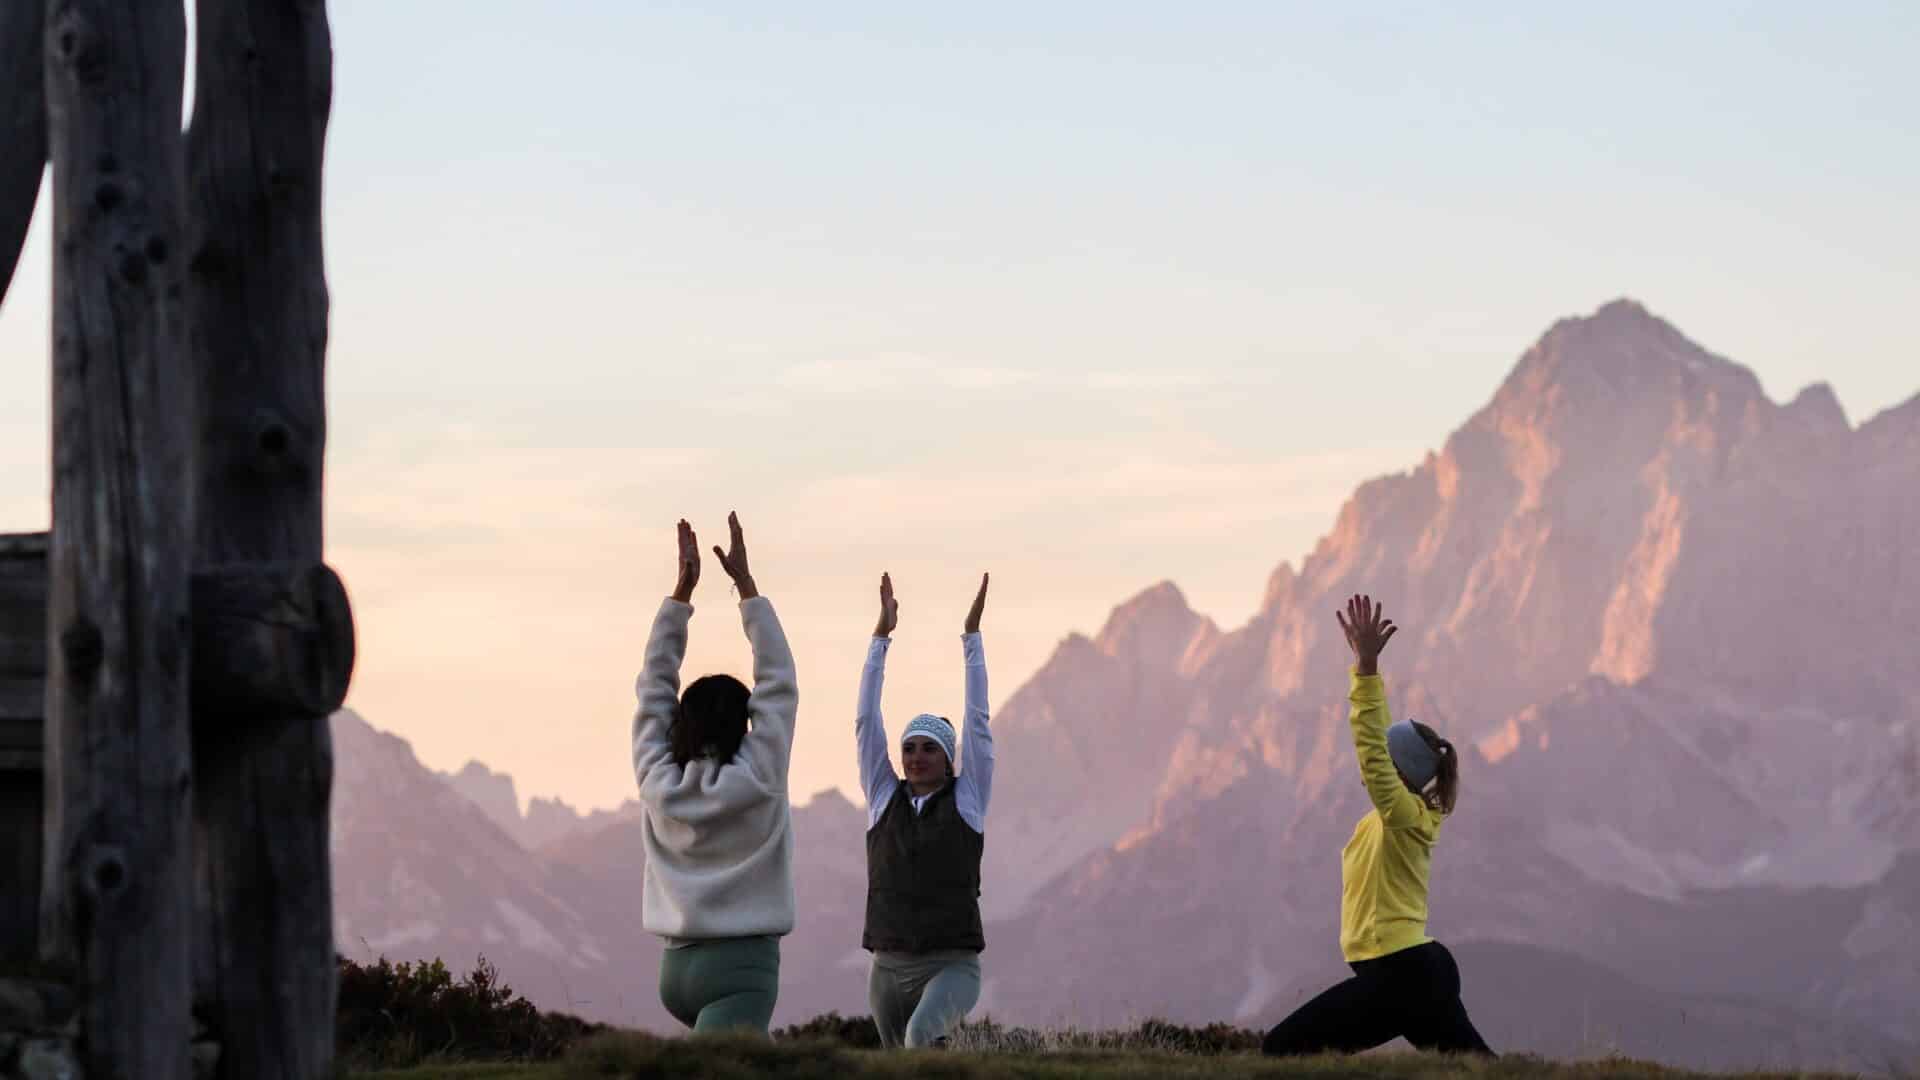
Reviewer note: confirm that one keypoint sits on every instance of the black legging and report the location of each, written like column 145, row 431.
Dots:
column 1414, row 992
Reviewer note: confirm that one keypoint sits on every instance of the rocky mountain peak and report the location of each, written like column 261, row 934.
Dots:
column 1157, row 625
column 1819, row 408
column 494, row 793
column 827, row 801
column 1622, row 357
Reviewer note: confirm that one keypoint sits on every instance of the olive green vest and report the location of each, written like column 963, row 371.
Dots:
column 923, row 877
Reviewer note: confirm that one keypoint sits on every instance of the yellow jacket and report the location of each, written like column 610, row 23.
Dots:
column 1383, row 869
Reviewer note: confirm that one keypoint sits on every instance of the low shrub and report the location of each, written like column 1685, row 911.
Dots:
column 394, row 1015
column 856, row 1032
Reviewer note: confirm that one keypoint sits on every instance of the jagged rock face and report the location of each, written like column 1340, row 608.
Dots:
column 1084, row 747
column 415, row 861
column 1669, row 623
column 545, row 821
column 1629, row 510
column 494, row 793
column 549, row 820
column 1638, row 591
column 1623, row 494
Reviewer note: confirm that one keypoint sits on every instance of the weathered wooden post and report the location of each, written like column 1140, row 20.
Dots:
column 23, row 557
column 23, row 125
column 116, row 889
column 274, row 637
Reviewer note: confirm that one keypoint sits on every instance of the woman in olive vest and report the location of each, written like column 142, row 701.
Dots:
column 925, row 833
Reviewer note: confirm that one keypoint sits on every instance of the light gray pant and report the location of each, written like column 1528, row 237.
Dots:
column 918, row 998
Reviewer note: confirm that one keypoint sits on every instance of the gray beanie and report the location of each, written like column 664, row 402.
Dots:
column 1416, row 760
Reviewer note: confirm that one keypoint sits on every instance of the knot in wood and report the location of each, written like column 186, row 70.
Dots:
column 273, row 439
column 83, row 649
column 80, row 48
column 106, row 871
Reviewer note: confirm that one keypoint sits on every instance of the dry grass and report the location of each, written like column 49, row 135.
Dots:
column 638, row 1056
column 466, row 1071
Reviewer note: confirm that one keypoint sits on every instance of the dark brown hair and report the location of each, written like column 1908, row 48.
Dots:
column 1447, row 791
column 711, row 720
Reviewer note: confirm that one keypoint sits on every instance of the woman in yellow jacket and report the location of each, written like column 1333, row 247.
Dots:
column 1404, row 982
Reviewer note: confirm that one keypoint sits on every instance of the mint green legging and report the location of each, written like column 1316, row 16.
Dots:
column 722, row 984
column 918, row 998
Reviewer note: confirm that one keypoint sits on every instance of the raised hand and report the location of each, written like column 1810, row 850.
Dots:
column 979, row 607
column 889, row 608
column 1368, row 630
column 734, row 560
column 689, row 564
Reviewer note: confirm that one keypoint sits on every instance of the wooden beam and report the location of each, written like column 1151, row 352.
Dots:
column 269, row 641
column 23, row 694
column 258, row 297
column 23, row 125
column 116, row 890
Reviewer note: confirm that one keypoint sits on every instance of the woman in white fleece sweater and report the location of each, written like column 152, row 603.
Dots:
column 712, row 769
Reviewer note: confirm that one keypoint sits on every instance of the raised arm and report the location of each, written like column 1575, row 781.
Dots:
column 775, row 700
column 658, row 687
column 974, row 787
column 877, row 777
column 734, row 561
column 1368, row 631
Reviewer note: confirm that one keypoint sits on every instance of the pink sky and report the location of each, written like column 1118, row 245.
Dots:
column 1143, row 303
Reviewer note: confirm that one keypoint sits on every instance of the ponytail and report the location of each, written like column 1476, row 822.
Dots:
column 1444, row 791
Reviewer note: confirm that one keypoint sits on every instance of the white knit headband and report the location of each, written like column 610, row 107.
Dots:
column 933, row 727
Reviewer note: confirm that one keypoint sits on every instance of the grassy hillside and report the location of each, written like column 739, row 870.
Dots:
column 621, row 1055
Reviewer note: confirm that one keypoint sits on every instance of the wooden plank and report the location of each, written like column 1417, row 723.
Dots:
column 28, row 545
column 23, row 126
column 23, row 706
column 23, row 652
column 117, row 873
column 20, row 855
column 23, row 630
column 23, row 664
column 258, row 297
column 23, row 606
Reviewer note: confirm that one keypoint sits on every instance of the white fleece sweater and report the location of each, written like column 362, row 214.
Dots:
column 718, row 835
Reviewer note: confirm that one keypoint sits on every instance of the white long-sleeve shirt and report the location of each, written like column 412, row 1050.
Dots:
column 974, row 784
column 718, row 834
